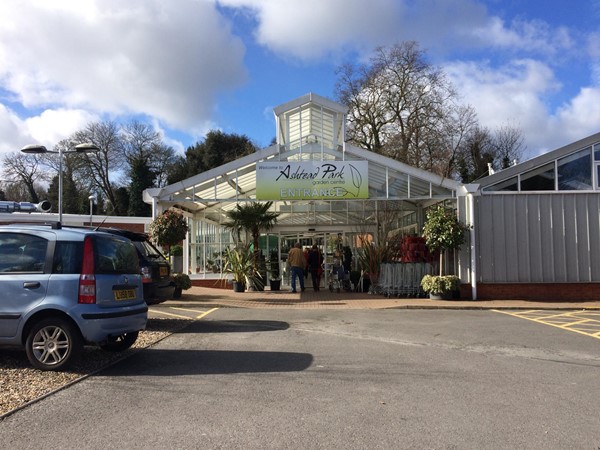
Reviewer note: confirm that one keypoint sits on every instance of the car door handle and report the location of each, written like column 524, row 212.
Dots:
column 31, row 284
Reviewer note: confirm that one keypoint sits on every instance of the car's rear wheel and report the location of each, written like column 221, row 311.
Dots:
column 120, row 343
column 52, row 343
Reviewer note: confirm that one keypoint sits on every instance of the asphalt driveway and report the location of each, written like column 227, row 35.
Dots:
column 254, row 378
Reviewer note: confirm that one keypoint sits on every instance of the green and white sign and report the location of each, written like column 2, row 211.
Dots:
column 312, row 180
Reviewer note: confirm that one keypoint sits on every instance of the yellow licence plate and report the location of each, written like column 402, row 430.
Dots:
column 164, row 272
column 124, row 294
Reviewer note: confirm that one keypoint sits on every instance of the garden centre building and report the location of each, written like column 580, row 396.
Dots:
column 534, row 228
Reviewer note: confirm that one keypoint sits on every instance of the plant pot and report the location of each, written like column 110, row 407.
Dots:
column 238, row 286
column 366, row 284
column 275, row 284
column 443, row 296
column 177, row 292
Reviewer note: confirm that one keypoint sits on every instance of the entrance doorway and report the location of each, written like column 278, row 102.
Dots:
column 331, row 245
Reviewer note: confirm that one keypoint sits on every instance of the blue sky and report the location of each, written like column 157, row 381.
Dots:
column 189, row 66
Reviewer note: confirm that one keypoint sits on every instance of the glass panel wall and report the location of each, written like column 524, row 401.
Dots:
column 540, row 179
column 575, row 171
column 209, row 246
column 512, row 184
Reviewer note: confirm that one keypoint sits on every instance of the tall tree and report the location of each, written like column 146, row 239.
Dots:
column 217, row 148
column 404, row 108
column 510, row 146
column 76, row 186
column 26, row 170
column 142, row 147
column 141, row 178
column 483, row 148
column 101, row 166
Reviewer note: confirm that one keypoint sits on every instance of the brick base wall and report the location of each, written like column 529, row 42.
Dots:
column 564, row 292
column 216, row 284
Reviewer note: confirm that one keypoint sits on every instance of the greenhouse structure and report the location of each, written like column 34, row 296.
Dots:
column 534, row 228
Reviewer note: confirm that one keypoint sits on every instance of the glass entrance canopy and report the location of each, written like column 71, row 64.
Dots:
column 310, row 131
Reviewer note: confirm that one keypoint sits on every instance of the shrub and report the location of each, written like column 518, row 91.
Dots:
column 438, row 285
column 182, row 281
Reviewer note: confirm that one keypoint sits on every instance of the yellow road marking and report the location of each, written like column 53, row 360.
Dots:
column 206, row 313
column 567, row 326
column 570, row 324
column 198, row 317
column 169, row 314
column 184, row 309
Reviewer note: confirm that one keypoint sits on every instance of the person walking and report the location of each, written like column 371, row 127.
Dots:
column 314, row 266
column 297, row 264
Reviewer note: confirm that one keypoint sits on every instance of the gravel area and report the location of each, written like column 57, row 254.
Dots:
column 20, row 383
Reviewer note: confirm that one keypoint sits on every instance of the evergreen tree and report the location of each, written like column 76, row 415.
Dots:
column 142, row 177
column 217, row 149
column 121, row 195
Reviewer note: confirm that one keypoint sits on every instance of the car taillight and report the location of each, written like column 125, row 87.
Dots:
column 87, row 279
column 146, row 274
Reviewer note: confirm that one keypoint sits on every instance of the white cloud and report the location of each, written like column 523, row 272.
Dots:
column 530, row 37
column 515, row 94
column 503, row 93
column 581, row 116
column 13, row 133
column 311, row 29
column 315, row 28
column 164, row 59
column 47, row 128
column 52, row 126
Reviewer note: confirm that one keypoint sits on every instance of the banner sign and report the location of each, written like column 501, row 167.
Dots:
column 312, row 180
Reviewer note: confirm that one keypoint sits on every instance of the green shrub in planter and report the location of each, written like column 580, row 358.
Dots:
column 440, row 285
column 182, row 281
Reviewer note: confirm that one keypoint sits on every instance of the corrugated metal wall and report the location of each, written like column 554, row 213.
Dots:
column 538, row 238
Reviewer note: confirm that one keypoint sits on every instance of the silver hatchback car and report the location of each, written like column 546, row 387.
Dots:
column 61, row 288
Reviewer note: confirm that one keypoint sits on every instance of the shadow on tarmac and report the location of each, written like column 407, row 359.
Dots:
column 234, row 326
column 168, row 363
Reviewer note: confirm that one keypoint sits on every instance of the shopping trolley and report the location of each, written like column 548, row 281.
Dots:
column 338, row 278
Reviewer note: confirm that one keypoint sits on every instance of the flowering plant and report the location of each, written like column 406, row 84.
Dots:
column 169, row 228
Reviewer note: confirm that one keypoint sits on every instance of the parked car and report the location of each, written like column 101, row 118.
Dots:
column 155, row 269
column 65, row 287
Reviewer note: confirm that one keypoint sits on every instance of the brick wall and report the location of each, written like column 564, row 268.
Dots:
column 216, row 284
column 535, row 291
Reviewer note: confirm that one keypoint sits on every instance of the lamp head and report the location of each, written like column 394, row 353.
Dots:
column 86, row 147
column 34, row 149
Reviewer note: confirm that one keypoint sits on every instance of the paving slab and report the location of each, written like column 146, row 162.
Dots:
column 324, row 299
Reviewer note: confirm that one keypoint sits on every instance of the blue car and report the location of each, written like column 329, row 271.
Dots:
column 62, row 288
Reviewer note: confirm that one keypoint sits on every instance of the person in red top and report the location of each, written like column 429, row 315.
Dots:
column 315, row 259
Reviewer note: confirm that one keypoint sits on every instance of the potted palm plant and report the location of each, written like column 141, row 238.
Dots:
column 252, row 217
column 442, row 232
column 239, row 263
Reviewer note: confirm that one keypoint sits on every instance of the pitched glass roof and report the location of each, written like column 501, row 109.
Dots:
column 575, row 167
column 308, row 128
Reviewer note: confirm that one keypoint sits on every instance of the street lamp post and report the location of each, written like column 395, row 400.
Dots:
column 40, row 149
column 91, row 199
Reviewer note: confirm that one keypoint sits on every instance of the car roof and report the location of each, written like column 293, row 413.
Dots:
column 133, row 235
column 68, row 232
